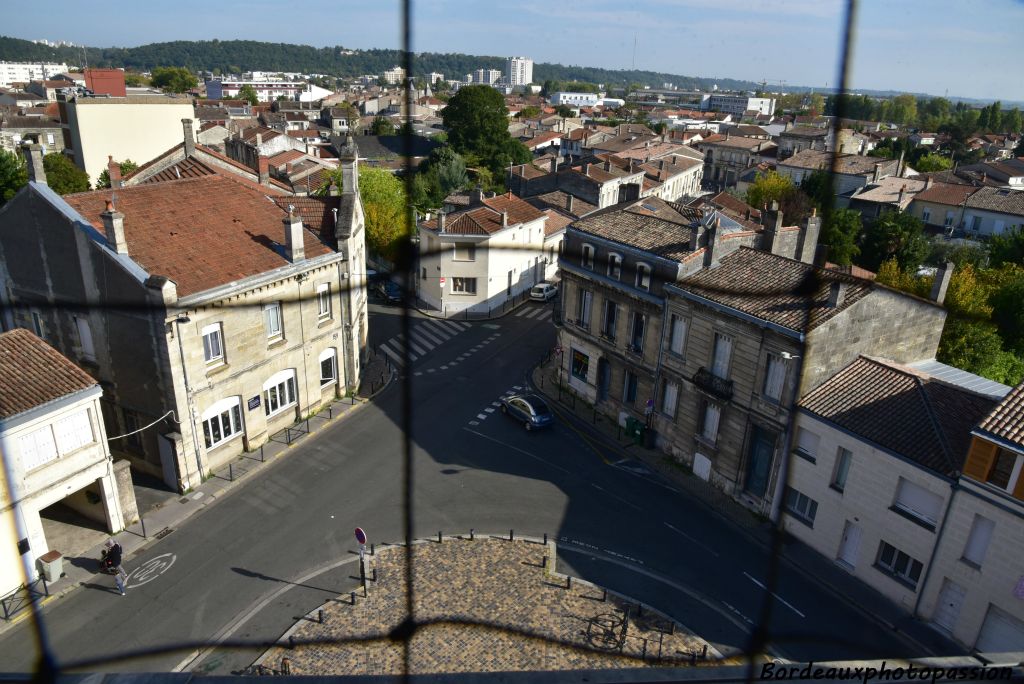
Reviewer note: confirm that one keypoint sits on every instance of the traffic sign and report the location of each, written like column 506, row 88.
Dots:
column 360, row 535
column 442, row 282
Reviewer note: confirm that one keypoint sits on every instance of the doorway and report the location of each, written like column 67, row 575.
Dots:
column 759, row 461
column 604, row 374
column 849, row 547
column 947, row 607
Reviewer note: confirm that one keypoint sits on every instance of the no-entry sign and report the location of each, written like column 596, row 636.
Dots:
column 360, row 535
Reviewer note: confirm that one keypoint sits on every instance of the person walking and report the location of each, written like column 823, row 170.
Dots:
column 114, row 556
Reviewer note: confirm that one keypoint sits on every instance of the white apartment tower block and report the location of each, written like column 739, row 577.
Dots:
column 23, row 72
column 518, row 71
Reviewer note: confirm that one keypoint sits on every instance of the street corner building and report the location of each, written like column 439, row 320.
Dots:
column 214, row 311
column 55, row 450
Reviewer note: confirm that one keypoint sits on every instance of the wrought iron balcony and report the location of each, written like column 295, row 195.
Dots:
column 709, row 382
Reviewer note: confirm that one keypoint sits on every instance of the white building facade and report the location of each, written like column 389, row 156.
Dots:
column 518, row 71
column 23, row 72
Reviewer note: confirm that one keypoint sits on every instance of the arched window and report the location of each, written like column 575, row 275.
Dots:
column 279, row 392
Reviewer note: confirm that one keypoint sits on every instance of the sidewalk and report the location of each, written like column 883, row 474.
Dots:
column 165, row 517
column 796, row 556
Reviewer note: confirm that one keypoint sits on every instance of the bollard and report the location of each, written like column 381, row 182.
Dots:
column 594, row 418
column 286, row 666
column 511, row 535
column 231, row 472
column 704, row 651
column 320, row 616
column 604, row 596
column 371, row 549
column 693, row 658
column 261, row 453
column 643, row 654
column 544, row 562
column 142, row 520
column 291, row 642
column 545, row 538
column 672, row 627
column 374, row 578
column 639, row 609
column 568, row 582
column 439, row 539
column 353, row 598
column 470, row 534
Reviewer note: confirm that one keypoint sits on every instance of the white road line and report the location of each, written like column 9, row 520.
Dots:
column 781, row 600
column 429, row 336
column 495, row 404
column 415, row 347
column 517, row 387
column 444, row 367
column 698, row 543
column 474, row 422
column 481, row 416
column 489, row 410
column 397, row 358
column 544, row 316
column 418, row 373
column 451, row 327
column 745, row 618
column 616, row 496
column 431, row 370
column 399, row 344
column 514, row 448
column 533, row 313
column 459, row 326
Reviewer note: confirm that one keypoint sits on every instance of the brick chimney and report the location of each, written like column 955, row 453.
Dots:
column 113, row 226
column 294, row 249
column 928, row 182
column 263, row 169
column 941, row 283
column 114, row 171
column 34, row 157
column 190, row 137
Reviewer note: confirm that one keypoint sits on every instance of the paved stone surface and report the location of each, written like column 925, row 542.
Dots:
column 486, row 605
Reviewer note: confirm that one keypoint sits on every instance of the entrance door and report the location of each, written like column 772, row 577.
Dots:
column 947, row 609
column 759, row 461
column 849, row 547
column 604, row 373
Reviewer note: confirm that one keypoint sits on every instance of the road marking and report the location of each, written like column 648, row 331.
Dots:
column 488, row 410
column 733, row 609
column 474, row 422
column 481, row 416
column 616, row 496
column 150, row 570
column 415, row 347
column 418, row 373
column 444, row 367
column 392, row 355
column 517, row 387
column 532, row 313
column 431, row 336
column 460, row 326
column 781, row 600
column 545, row 316
column 431, row 370
column 515, row 448
column 495, row 403
column 698, row 543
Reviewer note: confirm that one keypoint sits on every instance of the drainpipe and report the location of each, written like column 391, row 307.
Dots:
column 347, row 326
column 189, row 404
column 954, row 487
column 787, row 442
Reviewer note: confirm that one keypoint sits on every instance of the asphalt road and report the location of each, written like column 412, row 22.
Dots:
column 287, row 528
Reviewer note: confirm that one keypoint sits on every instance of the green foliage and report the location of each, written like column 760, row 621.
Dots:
column 975, row 346
column 248, row 93
column 174, row 79
column 382, row 126
column 1008, row 313
column 1007, row 248
column 767, row 188
column 477, row 123
column 127, row 166
column 440, row 174
column 932, row 162
column 894, row 236
column 13, row 175
column 63, row 176
column 385, row 209
column 959, row 254
column 133, row 80
column 529, row 112
column 564, row 111
column 890, row 273
column 840, row 230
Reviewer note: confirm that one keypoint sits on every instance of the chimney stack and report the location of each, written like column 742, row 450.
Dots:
column 928, row 182
column 34, row 157
column 941, row 283
column 114, row 172
column 190, row 138
column 568, row 204
column 709, row 249
column 810, row 231
column 113, row 225
column 821, row 256
column 259, row 140
column 263, row 169
column 899, row 200
column 440, row 221
column 294, row 249
column 504, row 219
column 836, row 292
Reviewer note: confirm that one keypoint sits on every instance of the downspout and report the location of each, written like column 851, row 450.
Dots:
column 787, row 443
column 347, row 327
column 954, row 487
column 191, row 412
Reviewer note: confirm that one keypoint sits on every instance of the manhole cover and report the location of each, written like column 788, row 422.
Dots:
column 163, row 533
column 183, row 499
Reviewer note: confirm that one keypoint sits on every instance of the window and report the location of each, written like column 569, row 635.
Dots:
column 588, row 257
column 636, row 333
column 465, row 252
column 643, row 276
column 328, row 367
column 465, row 286
column 323, row 300
column 583, row 308
column 978, row 540
column 807, row 444
column 85, row 339
column 976, row 223
column 669, row 396
column 774, row 378
column 629, row 388
column 37, row 448
column 926, row 214
column 677, row 335
column 279, row 392
column 917, row 503
column 222, row 421
column 272, row 319
column 37, row 324
column 721, row 356
column 608, row 325
column 49, row 138
column 949, row 219
column 1002, row 469
column 73, row 432
column 844, row 457
column 213, row 344
column 709, row 426
column 801, row 506
column 614, row 266
column 894, row 562
column 580, row 365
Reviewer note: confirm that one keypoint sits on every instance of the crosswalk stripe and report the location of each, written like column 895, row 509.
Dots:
column 438, row 328
column 533, row 313
column 397, row 358
column 429, row 336
column 460, row 326
column 450, row 327
column 544, row 316
column 412, row 345
column 520, row 313
column 399, row 345
column 418, row 340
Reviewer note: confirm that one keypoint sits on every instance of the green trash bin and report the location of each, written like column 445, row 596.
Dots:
column 635, row 430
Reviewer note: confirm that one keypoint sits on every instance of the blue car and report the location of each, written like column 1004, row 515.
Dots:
column 529, row 409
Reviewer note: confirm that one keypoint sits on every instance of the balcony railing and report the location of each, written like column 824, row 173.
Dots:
column 709, row 382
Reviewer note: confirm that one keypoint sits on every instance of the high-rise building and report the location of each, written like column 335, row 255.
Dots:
column 485, row 76
column 394, row 75
column 23, row 72
column 518, row 71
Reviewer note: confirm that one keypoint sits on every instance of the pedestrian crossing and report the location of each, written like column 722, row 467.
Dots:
column 537, row 313
column 424, row 337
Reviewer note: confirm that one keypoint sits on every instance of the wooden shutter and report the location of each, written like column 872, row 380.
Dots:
column 979, row 460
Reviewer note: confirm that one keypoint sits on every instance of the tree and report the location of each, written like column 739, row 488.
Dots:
column 529, row 112
column 135, row 80
column 1007, row 248
column 767, row 188
column 1018, row 151
column 248, row 93
column 382, row 126
column 13, row 175
column 63, row 176
column 894, row 236
column 477, row 123
column 966, row 296
column 1008, row 313
column 975, row 346
column 386, row 210
column 840, row 230
column 932, row 162
column 890, row 273
column 1012, row 121
column 127, row 166
column 818, row 186
column 564, row 111
column 173, row 79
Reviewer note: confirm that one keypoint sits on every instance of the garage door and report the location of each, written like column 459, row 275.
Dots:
column 1000, row 633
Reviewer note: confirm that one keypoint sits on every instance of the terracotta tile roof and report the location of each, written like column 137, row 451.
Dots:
column 186, row 168
column 557, row 221
column 735, row 204
column 518, row 210
column 32, row 373
column 487, row 219
column 946, row 193
column 805, row 132
column 665, row 231
column 200, row 232
column 1006, row 421
column 887, row 191
column 282, row 158
column 848, row 163
column 266, row 134
column 316, row 213
column 559, row 199
column 772, row 288
column 737, row 142
column 903, row 410
column 998, row 199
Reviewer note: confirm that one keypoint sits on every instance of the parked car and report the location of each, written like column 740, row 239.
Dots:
column 528, row 408
column 543, row 292
column 389, row 291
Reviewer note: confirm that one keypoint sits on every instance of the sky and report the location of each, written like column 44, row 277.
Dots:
column 967, row 48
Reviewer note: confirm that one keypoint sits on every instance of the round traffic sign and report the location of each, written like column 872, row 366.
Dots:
column 360, row 535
